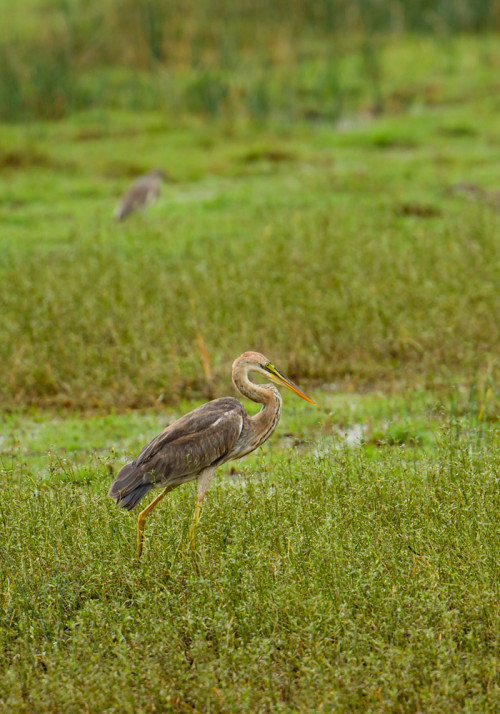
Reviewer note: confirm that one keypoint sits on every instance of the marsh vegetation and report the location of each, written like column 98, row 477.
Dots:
column 333, row 203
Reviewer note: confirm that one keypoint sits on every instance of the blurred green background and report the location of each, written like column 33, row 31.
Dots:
column 333, row 195
column 288, row 60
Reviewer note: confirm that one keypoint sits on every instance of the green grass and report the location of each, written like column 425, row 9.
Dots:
column 350, row 564
column 341, row 253
column 327, row 575
column 311, row 61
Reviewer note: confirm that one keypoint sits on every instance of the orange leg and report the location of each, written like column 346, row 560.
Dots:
column 204, row 480
column 141, row 521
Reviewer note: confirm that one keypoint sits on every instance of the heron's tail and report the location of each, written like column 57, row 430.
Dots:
column 124, row 491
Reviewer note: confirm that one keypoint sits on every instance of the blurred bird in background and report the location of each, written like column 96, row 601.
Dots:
column 142, row 192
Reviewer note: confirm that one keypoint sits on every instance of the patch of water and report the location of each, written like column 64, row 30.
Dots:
column 352, row 438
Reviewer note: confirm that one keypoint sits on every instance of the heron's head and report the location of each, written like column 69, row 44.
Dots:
column 256, row 362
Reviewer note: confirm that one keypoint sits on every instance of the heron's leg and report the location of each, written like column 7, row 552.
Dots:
column 204, row 480
column 141, row 521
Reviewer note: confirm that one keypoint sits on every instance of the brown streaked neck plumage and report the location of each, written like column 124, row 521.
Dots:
column 264, row 423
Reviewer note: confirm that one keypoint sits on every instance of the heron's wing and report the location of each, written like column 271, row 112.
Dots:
column 204, row 437
column 195, row 441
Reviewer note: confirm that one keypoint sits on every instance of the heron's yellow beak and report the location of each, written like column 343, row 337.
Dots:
column 279, row 378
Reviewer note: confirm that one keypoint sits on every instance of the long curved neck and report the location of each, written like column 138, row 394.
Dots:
column 264, row 423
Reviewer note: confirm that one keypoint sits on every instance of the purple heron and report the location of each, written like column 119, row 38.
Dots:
column 197, row 443
column 144, row 190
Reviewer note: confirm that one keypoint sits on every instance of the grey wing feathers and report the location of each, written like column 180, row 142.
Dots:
column 204, row 437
